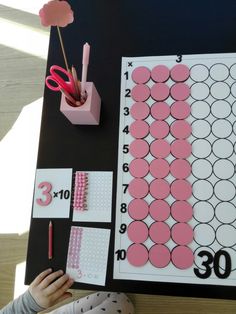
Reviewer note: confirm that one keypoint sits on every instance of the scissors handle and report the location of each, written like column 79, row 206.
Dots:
column 59, row 82
column 48, row 81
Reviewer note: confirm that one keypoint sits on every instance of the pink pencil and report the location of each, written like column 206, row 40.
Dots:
column 50, row 240
column 85, row 62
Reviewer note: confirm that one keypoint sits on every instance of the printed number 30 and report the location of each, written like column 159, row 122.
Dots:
column 215, row 260
column 46, row 193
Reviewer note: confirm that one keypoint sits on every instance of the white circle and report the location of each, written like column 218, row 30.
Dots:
column 224, row 190
column 222, row 148
column 232, row 71
column 202, row 190
column 220, row 109
column 203, row 211
column 199, row 73
column 201, row 168
column 221, row 128
column 201, row 148
column 220, row 90
column 219, row 72
column 223, row 169
column 200, row 91
column 225, row 212
column 204, row 234
column 226, row 235
column 201, row 128
column 200, row 109
column 234, row 127
column 233, row 89
column 234, row 108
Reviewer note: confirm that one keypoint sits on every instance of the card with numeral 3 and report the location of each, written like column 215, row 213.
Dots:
column 52, row 194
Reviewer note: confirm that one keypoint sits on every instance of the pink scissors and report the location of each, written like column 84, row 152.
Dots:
column 59, row 83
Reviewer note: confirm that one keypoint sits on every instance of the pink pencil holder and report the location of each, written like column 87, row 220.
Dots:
column 88, row 113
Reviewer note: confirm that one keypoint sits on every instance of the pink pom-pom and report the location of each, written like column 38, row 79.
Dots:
column 56, row 13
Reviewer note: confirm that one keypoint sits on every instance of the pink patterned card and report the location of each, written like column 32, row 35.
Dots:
column 87, row 255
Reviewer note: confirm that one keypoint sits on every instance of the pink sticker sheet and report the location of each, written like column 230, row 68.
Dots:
column 92, row 196
column 86, row 258
column 176, row 183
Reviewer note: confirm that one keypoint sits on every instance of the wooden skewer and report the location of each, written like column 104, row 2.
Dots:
column 63, row 49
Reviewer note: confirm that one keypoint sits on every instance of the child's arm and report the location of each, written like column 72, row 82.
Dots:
column 46, row 290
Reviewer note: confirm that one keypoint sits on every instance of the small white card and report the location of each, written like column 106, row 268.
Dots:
column 52, row 194
column 98, row 199
column 88, row 254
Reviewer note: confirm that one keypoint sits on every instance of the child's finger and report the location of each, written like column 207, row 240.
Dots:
column 40, row 277
column 50, row 278
column 61, row 291
column 57, row 285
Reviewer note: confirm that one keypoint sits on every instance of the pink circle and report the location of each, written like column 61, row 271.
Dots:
column 160, row 148
column 139, row 129
column 159, row 188
column 179, row 73
column 160, row 110
column 159, row 256
column 138, row 209
column 141, row 75
column 160, row 73
column 138, row 188
column 140, row 92
column 137, row 232
column 181, row 211
column 160, row 91
column 159, row 210
column 181, row 129
column 180, row 91
column 139, row 148
column 159, row 168
column 182, row 257
column 181, row 148
column 182, row 233
column 159, row 232
column 137, row 255
column 180, row 168
column 139, row 168
column 181, row 190
column 139, row 110
column 159, row 129
column 180, row 110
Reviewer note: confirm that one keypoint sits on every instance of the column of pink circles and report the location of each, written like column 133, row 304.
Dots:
column 138, row 232
column 180, row 169
column 159, row 209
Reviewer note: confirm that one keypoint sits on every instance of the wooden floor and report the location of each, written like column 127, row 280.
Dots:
column 21, row 82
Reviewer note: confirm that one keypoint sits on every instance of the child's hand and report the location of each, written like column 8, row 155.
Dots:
column 50, row 288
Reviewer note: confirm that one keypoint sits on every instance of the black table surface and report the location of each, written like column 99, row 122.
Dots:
column 114, row 29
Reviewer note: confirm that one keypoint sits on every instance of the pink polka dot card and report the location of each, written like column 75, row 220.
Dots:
column 87, row 255
column 176, row 188
column 92, row 196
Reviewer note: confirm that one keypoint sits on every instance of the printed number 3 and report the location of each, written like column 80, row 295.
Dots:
column 46, row 193
column 179, row 58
